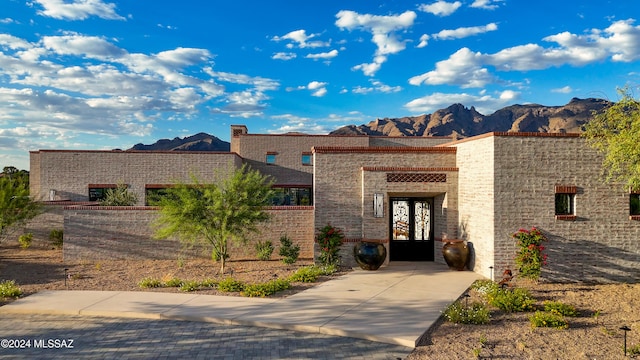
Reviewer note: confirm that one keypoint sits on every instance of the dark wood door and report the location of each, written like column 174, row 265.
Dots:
column 411, row 229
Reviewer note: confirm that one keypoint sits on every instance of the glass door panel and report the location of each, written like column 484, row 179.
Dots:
column 422, row 221
column 400, row 220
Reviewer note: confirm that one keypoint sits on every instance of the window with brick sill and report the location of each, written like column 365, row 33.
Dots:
column 99, row 192
column 565, row 206
column 270, row 158
column 306, row 159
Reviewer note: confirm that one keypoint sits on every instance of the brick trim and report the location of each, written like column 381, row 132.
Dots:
column 159, row 186
column 417, row 177
column 634, row 217
column 394, row 168
column 105, row 186
column 566, row 189
column 380, row 149
column 520, row 134
column 566, row 217
column 357, row 240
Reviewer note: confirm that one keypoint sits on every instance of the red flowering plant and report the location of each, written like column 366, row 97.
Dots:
column 530, row 257
column 329, row 240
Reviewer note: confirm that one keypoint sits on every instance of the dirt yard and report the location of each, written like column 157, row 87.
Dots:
column 595, row 334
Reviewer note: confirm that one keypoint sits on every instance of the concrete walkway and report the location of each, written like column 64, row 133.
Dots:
column 395, row 304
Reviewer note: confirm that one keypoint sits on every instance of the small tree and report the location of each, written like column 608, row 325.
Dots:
column 16, row 207
column 119, row 196
column 213, row 214
column 614, row 132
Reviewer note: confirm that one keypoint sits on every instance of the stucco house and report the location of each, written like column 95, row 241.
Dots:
column 408, row 193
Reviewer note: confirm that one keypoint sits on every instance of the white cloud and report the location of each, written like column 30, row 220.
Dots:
column 486, row 4
column 376, row 86
column 78, row 9
column 301, row 39
column 484, row 104
column 464, row 32
column 325, row 55
column 440, row 8
column 382, row 29
column 424, row 41
column 619, row 42
column 563, row 90
column 284, row 56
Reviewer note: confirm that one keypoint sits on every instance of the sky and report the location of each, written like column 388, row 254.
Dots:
column 107, row 74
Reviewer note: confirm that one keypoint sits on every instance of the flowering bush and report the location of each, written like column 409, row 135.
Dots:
column 329, row 240
column 530, row 257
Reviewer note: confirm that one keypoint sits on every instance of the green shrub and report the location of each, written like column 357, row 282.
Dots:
column 265, row 289
column 56, row 236
column 173, row 282
column 634, row 350
column 511, row 300
column 548, row 319
column 25, row 240
column 476, row 313
column 149, row 283
column 307, row 274
column 188, row 286
column 119, row 196
column 264, row 249
column 288, row 251
column 9, row 289
column 230, row 285
column 208, row 283
column 559, row 308
column 329, row 240
column 485, row 287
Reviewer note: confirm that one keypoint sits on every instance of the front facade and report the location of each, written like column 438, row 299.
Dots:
column 409, row 193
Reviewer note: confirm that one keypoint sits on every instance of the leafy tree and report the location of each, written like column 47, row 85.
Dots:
column 615, row 131
column 16, row 207
column 120, row 196
column 213, row 214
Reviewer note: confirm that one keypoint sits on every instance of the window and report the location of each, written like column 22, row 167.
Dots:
column 98, row 192
column 306, row 159
column 634, row 204
column 292, row 196
column 565, row 202
column 271, row 158
column 154, row 193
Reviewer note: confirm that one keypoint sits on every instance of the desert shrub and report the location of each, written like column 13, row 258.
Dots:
column 264, row 249
column 634, row 350
column 511, row 300
column 173, row 282
column 265, row 289
column 288, row 250
column 485, row 287
column 56, row 236
column 476, row 313
column 25, row 240
column 307, row 274
column 208, row 283
column 329, row 240
column 230, row 285
column 119, row 196
column 188, row 286
column 559, row 308
column 530, row 257
column 548, row 319
column 9, row 289
column 149, row 283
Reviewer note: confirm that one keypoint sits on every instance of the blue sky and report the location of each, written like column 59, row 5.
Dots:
column 104, row 74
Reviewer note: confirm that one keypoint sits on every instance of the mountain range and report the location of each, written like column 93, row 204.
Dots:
column 455, row 120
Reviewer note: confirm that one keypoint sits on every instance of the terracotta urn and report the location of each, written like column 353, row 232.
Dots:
column 369, row 255
column 456, row 254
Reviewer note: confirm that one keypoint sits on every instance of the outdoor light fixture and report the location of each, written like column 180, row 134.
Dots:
column 625, row 329
column 466, row 299
column 378, row 205
column 65, row 277
column 491, row 268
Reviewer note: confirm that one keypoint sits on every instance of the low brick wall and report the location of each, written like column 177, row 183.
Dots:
column 100, row 233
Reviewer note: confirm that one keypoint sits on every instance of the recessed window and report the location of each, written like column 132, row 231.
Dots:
column 306, row 159
column 271, row 158
column 565, row 202
column 98, row 192
column 634, row 204
column 292, row 196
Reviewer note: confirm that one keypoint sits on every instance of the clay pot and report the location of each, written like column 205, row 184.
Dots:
column 456, row 254
column 369, row 255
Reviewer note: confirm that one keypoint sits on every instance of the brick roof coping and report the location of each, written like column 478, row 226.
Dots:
column 506, row 133
column 353, row 136
column 395, row 168
column 154, row 208
column 380, row 149
column 176, row 152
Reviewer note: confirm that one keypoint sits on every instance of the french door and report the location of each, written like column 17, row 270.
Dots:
column 411, row 229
